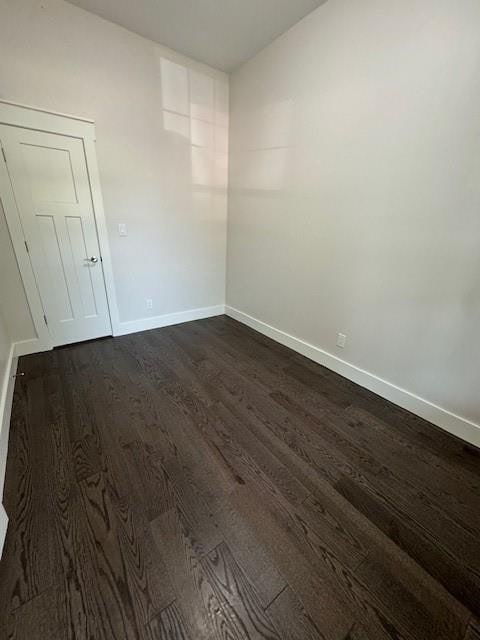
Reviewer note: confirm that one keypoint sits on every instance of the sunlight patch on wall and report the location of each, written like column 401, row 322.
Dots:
column 195, row 108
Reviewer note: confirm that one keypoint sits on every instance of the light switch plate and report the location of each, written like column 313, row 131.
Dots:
column 122, row 229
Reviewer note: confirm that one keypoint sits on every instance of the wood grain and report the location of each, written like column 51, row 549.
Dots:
column 32, row 554
column 43, row 617
column 201, row 482
column 168, row 625
column 292, row 621
column 236, row 594
column 473, row 630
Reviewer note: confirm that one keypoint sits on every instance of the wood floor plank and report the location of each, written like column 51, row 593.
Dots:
column 107, row 556
column 426, row 610
column 318, row 590
column 201, row 482
column 150, row 359
column 253, row 555
column 168, row 625
column 176, row 540
column 147, row 467
column 346, row 593
column 425, row 435
column 236, row 594
column 223, row 623
column 42, row 617
column 449, row 494
column 269, row 465
column 291, row 619
column 30, row 544
column 194, row 514
column 183, row 447
column 132, row 579
column 304, row 515
column 146, row 576
column 184, row 534
column 439, row 466
column 473, row 630
column 418, row 542
column 83, row 615
column 84, row 443
column 372, row 477
column 357, row 632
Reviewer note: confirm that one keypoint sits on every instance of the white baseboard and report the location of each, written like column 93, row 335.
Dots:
column 156, row 322
column 26, row 347
column 3, row 527
column 35, row 345
column 454, row 424
column 6, row 398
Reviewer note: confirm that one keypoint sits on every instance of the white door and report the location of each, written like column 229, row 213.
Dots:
column 49, row 177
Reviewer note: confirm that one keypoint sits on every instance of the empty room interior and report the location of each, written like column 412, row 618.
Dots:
column 239, row 312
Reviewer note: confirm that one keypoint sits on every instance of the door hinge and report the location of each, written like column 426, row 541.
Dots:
column 4, row 156
column 45, row 318
column 26, row 246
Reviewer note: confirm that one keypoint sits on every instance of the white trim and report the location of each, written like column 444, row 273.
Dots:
column 21, row 115
column 3, row 527
column 156, row 322
column 26, row 347
column 52, row 113
column 41, row 120
column 454, row 424
column 102, row 233
column 23, row 259
column 6, row 399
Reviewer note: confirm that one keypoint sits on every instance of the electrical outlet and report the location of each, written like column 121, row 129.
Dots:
column 149, row 303
column 122, row 229
column 341, row 340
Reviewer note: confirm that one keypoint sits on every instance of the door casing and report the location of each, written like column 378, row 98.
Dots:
column 41, row 120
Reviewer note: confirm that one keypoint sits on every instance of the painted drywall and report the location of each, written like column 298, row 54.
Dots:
column 221, row 34
column 7, row 369
column 13, row 301
column 15, row 325
column 354, row 191
column 5, row 345
column 6, row 388
column 162, row 141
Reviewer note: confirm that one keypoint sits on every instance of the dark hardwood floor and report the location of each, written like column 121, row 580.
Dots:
column 202, row 482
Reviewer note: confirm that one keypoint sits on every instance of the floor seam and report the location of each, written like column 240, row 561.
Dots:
column 276, row 597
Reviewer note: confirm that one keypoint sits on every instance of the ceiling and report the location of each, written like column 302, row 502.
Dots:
column 221, row 33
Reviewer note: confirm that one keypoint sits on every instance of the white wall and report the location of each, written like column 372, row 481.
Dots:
column 354, row 202
column 5, row 344
column 5, row 371
column 7, row 368
column 163, row 173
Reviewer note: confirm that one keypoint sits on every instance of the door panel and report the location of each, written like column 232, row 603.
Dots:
column 50, row 174
column 78, row 248
column 51, row 270
column 49, row 177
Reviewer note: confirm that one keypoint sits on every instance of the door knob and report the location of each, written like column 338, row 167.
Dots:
column 93, row 259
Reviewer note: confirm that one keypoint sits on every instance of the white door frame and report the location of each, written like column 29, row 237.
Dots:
column 41, row 120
